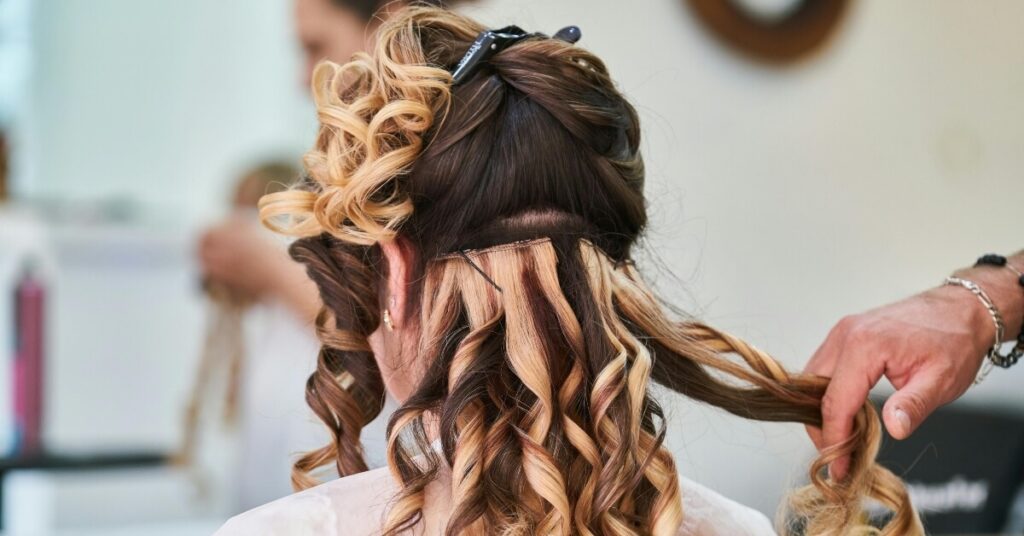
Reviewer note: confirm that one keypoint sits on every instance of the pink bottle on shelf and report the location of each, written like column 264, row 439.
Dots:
column 29, row 304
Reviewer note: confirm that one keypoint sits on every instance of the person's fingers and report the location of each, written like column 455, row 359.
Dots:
column 206, row 261
column 213, row 244
column 217, row 242
column 910, row 406
column 211, row 256
column 204, row 245
column 823, row 363
column 815, row 434
column 846, row 393
column 217, row 264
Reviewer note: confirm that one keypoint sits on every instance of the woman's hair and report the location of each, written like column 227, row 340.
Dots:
column 520, row 195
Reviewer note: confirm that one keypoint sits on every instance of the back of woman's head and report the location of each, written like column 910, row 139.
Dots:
column 520, row 194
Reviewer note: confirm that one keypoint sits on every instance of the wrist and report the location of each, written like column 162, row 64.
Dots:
column 1003, row 288
column 974, row 316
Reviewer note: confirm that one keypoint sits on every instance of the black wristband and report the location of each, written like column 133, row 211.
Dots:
column 991, row 259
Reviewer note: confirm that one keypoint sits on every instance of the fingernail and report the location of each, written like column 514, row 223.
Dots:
column 903, row 419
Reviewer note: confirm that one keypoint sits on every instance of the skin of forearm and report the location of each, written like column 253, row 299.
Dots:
column 1002, row 286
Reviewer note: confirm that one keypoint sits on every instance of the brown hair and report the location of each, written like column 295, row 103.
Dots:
column 520, row 193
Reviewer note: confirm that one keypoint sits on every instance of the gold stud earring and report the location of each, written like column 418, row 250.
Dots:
column 387, row 320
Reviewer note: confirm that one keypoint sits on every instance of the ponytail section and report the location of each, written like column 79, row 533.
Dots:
column 694, row 359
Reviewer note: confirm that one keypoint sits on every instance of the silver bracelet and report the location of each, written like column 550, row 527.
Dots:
column 993, row 353
column 1010, row 358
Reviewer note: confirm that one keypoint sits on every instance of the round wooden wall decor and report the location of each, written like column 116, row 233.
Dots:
column 789, row 34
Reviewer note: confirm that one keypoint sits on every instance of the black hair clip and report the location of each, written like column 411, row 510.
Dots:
column 490, row 42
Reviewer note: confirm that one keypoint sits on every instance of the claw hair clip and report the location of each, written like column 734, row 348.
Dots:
column 490, row 42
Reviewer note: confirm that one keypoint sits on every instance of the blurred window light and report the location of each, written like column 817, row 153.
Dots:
column 15, row 55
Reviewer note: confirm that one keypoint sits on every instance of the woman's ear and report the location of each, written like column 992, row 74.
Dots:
column 398, row 256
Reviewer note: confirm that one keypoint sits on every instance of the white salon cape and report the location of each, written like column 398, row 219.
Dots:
column 355, row 506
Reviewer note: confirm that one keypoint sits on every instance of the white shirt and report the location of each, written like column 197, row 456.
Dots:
column 356, row 505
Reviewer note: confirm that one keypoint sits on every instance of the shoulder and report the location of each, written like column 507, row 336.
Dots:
column 352, row 505
column 355, row 506
column 707, row 513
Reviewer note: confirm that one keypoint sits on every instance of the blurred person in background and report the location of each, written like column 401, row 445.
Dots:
column 257, row 352
column 238, row 254
column 336, row 29
column 235, row 252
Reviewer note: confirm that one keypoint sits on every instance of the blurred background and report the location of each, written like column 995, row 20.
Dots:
column 807, row 159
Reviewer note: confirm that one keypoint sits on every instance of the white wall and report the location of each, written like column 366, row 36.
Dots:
column 15, row 56
column 783, row 198
column 161, row 102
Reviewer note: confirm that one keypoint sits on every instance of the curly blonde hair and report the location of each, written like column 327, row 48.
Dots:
column 521, row 194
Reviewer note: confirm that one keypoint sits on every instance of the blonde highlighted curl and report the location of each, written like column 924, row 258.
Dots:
column 373, row 113
column 540, row 350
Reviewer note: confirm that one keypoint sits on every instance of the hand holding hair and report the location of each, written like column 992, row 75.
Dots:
column 929, row 346
column 239, row 255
